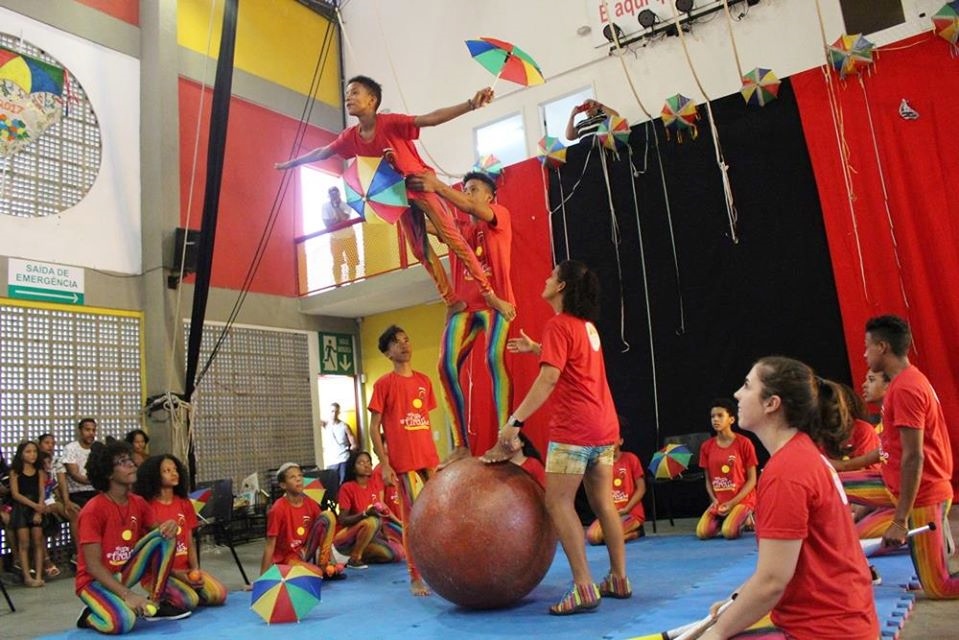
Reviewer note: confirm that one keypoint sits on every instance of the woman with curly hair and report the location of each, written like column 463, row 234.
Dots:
column 118, row 546
column 162, row 481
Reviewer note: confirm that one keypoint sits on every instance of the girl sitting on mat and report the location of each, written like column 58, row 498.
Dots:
column 629, row 487
column 360, row 525
column 811, row 573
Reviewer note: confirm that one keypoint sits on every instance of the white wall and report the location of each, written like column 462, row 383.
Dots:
column 103, row 230
column 423, row 42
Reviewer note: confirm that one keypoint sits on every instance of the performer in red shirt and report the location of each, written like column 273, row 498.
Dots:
column 118, row 548
column 487, row 229
column 583, row 430
column 811, row 572
column 629, row 487
column 401, row 403
column 363, row 514
column 378, row 133
column 729, row 461
column 162, row 481
column 297, row 530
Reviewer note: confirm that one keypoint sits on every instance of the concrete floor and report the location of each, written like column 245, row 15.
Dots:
column 54, row 608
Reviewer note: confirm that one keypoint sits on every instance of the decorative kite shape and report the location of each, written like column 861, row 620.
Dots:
column 505, row 60
column 551, row 152
column 313, row 488
column 680, row 115
column 670, row 461
column 199, row 498
column 32, row 99
column 613, row 132
column 490, row 165
column 286, row 593
column 373, row 186
column 760, row 87
column 946, row 24
column 850, row 55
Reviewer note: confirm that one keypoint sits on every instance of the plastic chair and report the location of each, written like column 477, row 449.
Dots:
column 692, row 475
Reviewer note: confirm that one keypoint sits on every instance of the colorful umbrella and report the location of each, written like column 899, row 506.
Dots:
column 760, row 86
column 849, row 55
column 679, row 115
column 31, row 74
column 551, row 152
column 670, row 461
column 286, row 593
column 612, row 132
column 314, row 488
column 946, row 23
column 373, row 186
column 490, row 165
column 505, row 60
column 32, row 101
column 199, row 498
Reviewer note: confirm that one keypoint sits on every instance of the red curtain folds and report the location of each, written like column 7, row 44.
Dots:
column 921, row 170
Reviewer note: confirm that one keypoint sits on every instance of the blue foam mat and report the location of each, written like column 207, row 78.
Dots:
column 675, row 579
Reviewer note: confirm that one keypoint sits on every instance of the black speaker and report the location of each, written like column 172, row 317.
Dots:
column 192, row 239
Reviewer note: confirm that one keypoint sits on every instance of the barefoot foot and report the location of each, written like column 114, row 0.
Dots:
column 418, row 588
column 501, row 452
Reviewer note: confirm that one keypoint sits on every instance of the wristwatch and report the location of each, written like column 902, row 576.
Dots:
column 514, row 422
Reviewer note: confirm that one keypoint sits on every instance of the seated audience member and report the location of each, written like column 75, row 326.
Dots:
column 729, row 460
column 528, row 459
column 363, row 515
column 27, row 481
column 139, row 440
column 629, row 487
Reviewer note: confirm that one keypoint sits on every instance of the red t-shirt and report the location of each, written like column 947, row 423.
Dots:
column 405, row 404
column 830, row 595
column 584, row 414
column 862, row 440
column 727, row 467
column 182, row 512
column 395, row 131
column 491, row 242
column 290, row 526
column 115, row 528
column 535, row 468
column 625, row 472
column 353, row 498
column 912, row 403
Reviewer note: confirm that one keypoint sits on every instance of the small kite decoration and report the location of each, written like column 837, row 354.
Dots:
column 760, row 87
column 946, row 24
column 679, row 116
column 551, row 152
column 490, row 165
column 850, row 55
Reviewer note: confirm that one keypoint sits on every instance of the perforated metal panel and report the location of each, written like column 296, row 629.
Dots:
column 253, row 408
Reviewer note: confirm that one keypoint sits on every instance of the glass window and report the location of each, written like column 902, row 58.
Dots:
column 504, row 138
column 333, row 257
column 555, row 113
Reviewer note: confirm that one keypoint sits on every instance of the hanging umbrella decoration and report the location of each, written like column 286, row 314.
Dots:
column 850, row 54
column 199, row 498
column 679, row 116
column 286, row 593
column 550, row 152
column 32, row 102
column 946, row 24
column 613, row 132
column 505, row 60
column 490, row 165
column 373, row 186
column 760, row 87
column 670, row 461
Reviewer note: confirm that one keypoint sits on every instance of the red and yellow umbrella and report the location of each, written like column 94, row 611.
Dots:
column 505, row 60
column 286, row 593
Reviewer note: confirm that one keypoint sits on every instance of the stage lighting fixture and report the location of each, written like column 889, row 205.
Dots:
column 608, row 33
column 647, row 18
column 684, row 5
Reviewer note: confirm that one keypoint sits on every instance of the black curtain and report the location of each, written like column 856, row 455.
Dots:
column 772, row 293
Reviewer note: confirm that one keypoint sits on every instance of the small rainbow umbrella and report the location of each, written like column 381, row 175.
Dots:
column 286, row 593
column 849, row 55
column 199, row 498
column 760, row 86
column 946, row 23
column 612, row 132
column 505, row 60
column 680, row 115
column 551, row 152
column 670, row 461
column 314, row 488
column 31, row 74
column 373, row 186
column 490, row 165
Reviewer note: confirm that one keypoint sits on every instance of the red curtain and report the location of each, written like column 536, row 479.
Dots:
column 521, row 191
column 919, row 247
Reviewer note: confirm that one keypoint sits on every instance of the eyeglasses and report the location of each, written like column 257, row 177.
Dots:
column 124, row 461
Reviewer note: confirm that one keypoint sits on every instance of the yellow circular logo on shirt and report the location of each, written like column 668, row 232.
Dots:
column 479, row 251
column 725, row 468
column 617, row 482
column 300, row 531
column 417, row 403
column 179, row 530
column 127, row 535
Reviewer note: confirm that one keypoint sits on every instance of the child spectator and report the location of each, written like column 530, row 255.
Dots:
column 629, row 487
column 401, row 403
column 55, row 513
column 118, row 545
column 27, row 480
column 162, row 481
column 529, row 460
column 873, row 391
column 363, row 515
column 297, row 530
column 729, row 460
column 848, row 442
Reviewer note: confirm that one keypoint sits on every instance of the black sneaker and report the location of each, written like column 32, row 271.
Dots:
column 353, row 563
column 82, row 621
column 167, row 611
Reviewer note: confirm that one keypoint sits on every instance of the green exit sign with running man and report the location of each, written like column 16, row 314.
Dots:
column 336, row 354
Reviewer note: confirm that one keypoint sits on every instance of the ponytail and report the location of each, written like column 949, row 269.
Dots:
column 809, row 403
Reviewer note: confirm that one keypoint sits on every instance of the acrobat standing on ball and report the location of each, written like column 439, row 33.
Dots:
column 583, row 431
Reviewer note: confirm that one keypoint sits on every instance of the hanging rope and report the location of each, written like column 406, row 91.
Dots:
column 615, row 238
column 562, row 206
column 732, row 37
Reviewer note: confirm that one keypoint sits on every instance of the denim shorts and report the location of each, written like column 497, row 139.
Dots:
column 576, row 459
